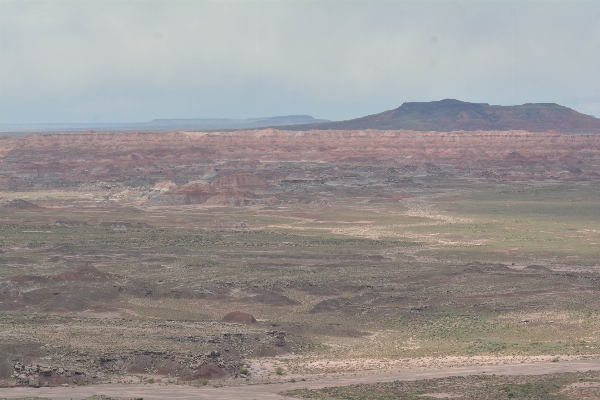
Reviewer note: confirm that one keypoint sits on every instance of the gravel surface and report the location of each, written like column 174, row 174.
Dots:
column 270, row 391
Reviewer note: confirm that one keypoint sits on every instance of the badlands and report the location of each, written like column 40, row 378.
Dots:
column 203, row 264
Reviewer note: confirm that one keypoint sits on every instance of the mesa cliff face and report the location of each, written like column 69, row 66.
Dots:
column 454, row 115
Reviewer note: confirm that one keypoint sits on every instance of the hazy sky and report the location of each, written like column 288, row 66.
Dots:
column 117, row 61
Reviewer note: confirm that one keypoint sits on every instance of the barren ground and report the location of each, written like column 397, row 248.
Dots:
column 356, row 252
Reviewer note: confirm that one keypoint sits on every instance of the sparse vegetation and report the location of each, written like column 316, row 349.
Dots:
column 541, row 387
column 435, row 267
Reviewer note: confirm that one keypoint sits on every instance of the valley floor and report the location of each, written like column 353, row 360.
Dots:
column 120, row 258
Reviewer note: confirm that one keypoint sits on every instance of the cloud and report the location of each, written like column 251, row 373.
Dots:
column 135, row 61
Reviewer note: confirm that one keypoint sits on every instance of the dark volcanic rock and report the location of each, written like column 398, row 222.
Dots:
column 453, row 115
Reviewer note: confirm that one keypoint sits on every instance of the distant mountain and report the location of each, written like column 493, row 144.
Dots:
column 227, row 124
column 59, row 127
column 441, row 116
column 454, row 115
column 198, row 124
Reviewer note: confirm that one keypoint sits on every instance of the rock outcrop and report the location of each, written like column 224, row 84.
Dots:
column 239, row 317
column 225, row 359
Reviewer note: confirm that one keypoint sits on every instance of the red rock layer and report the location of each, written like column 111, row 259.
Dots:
column 84, row 157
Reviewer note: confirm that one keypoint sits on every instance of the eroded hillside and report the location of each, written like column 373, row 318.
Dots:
column 68, row 160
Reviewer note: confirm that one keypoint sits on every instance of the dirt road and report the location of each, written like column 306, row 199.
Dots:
column 270, row 391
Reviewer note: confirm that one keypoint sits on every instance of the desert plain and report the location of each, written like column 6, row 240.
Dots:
column 411, row 264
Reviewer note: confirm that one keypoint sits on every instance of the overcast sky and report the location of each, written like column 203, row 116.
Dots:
column 122, row 61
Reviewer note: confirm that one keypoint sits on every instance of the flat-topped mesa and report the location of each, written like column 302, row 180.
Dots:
column 453, row 115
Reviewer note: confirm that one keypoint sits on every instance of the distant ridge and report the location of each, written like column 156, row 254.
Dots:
column 227, row 124
column 455, row 115
column 193, row 124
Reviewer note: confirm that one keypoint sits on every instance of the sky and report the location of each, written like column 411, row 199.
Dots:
column 130, row 61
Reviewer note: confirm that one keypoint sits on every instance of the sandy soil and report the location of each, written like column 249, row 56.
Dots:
column 270, row 391
column 262, row 367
